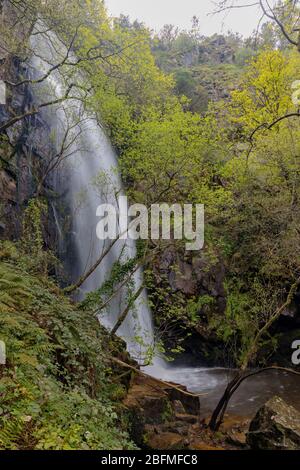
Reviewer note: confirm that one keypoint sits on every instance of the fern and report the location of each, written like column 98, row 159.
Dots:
column 14, row 291
column 54, row 390
column 11, row 433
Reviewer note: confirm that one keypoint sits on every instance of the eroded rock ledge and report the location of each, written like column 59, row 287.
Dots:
column 161, row 417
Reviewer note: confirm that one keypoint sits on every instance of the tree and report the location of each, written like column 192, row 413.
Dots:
column 263, row 234
column 283, row 15
column 249, row 355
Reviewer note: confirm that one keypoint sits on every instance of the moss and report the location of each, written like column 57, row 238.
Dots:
column 167, row 413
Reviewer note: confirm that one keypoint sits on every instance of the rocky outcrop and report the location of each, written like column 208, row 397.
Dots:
column 193, row 275
column 26, row 146
column 276, row 426
column 12, row 28
column 164, row 418
column 198, row 278
column 161, row 416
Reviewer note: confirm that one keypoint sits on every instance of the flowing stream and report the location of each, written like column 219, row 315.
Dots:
column 253, row 393
column 90, row 178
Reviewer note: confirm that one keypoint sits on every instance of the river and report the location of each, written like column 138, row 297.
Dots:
column 251, row 395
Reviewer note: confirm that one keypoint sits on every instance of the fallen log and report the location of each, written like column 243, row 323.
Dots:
column 166, row 384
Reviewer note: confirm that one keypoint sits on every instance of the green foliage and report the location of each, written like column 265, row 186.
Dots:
column 35, row 257
column 196, row 307
column 258, row 230
column 205, row 68
column 248, row 309
column 55, row 390
column 120, row 270
column 265, row 92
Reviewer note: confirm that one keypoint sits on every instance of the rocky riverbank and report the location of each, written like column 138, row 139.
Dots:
column 165, row 418
column 162, row 417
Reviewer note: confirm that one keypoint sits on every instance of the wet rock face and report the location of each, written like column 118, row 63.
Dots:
column 9, row 18
column 26, row 146
column 276, row 426
column 161, row 417
column 191, row 277
column 17, row 153
column 7, row 187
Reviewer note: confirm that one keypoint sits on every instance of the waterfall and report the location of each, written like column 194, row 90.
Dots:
column 90, row 177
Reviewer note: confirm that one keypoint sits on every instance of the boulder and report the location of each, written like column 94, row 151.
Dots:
column 166, row 441
column 155, row 409
column 276, row 426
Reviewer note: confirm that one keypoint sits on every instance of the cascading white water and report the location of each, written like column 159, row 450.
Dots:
column 91, row 178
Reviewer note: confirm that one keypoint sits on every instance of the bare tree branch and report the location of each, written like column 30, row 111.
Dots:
column 221, row 8
column 272, row 16
column 167, row 384
column 125, row 312
column 34, row 111
column 50, row 71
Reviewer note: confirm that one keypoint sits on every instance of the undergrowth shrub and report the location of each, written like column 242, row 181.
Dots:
column 56, row 388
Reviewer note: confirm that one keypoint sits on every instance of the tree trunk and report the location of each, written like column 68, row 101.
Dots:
column 218, row 415
column 126, row 311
